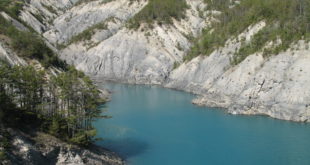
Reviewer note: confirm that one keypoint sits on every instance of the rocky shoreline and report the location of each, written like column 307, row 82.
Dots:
column 276, row 86
column 38, row 148
column 217, row 100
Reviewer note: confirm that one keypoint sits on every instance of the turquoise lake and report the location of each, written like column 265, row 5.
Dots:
column 157, row 126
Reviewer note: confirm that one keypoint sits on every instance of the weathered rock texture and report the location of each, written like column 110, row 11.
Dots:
column 277, row 86
column 39, row 148
column 145, row 56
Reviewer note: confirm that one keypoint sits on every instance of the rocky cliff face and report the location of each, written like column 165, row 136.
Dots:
column 145, row 56
column 276, row 86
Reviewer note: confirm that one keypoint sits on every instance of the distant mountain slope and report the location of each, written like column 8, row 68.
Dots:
column 250, row 56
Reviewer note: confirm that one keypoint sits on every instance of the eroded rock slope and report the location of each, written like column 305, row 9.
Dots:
column 277, row 86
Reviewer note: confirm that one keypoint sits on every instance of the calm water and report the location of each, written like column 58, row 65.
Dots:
column 156, row 126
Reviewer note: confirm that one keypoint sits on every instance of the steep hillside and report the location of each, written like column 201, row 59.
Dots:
column 264, row 70
column 42, row 97
column 96, row 38
column 248, row 56
column 145, row 55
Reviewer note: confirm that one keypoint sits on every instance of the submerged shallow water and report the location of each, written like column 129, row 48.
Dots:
column 158, row 126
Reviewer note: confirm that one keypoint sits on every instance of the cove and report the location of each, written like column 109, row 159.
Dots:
column 157, row 126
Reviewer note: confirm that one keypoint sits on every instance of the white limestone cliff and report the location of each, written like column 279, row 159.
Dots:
column 276, row 86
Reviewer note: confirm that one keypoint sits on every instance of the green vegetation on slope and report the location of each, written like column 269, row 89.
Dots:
column 11, row 7
column 287, row 20
column 86, row 34
column 160, row 11
column 64, row 105
column 30, row 45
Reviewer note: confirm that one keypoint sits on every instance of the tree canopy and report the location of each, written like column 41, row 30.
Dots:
column 63, row 105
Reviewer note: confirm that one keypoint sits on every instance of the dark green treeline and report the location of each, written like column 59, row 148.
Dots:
column 63, row 105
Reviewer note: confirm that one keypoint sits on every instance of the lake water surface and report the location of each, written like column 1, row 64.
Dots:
column 157, row 126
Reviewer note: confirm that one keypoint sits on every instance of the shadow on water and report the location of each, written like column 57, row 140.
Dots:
column 127, row 147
